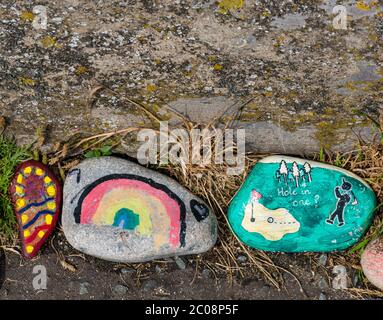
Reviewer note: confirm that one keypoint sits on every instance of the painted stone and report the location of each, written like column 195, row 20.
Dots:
column 120, row 211
column 35, row 193
column 293, row 205
column 372, row 262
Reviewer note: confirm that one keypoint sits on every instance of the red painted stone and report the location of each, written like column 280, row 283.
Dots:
column 36, row 197
column 372, row 263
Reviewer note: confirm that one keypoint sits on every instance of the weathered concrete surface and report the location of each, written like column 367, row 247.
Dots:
column 310, row 82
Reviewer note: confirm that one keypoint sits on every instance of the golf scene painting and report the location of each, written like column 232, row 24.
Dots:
column 293, row 205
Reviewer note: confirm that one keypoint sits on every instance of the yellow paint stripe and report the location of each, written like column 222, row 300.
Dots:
column 19, row 189
column 20, row 178
column 20, row 203
column 51, row 205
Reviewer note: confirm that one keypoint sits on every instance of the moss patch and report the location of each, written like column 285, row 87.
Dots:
column 27, row 16
column 226, row 5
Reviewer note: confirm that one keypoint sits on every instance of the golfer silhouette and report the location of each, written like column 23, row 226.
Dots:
column 344, row 199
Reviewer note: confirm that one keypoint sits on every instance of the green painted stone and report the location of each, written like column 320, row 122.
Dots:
column 294, row 205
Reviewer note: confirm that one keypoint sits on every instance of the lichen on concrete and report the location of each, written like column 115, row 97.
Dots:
column 306, row 78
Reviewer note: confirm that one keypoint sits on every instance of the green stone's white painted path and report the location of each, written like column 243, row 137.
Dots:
column 293, row 205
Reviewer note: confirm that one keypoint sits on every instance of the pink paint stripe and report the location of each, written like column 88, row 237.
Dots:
column 94, row 198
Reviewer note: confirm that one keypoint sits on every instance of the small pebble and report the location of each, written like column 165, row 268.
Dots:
column 322, row 259
column 180, row 262
column 241, row 259
column 149, row 285
column 323, row 285
column 5, row 292
column 322, row 296
column 120, row 290
column 355, row 280
column 83, row 288
column 206, row 274
column 158, row 269
column 127, row 271
column 340, row 281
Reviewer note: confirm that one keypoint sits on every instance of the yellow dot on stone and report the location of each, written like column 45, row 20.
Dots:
column 27, row 16
column 20, row 178
column 27, row 233
column 24, row 218
column 51, row 191
column 27, row 170
column 47, row 180
column 51, row 205
column 19, row 190
column 361, row 5
column 41, row 234
column 20, row 203
column 48, row 219
column 29, row 249
column 39, row 172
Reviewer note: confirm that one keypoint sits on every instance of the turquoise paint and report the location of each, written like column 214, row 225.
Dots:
column 126, row 219
column 310, row 204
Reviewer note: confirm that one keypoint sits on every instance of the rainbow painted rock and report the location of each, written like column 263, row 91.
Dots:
column 293, row 205
column 372, row 262
column 35, row 193
column 120, row 211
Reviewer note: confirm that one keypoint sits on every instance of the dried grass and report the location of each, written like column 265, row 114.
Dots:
column 367, row 162
column 211, row 182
